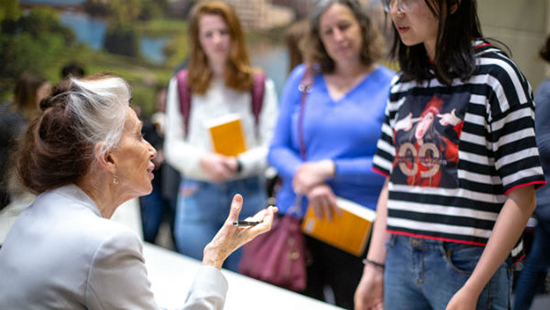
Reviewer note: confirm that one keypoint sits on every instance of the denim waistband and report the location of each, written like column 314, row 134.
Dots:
column 425, row 243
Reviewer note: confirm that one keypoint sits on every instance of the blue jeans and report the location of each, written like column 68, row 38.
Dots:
column 425, row 274
column 203, row 208
column 535, row 269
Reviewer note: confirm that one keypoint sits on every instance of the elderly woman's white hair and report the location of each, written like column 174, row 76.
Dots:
column 60, row 145
column 100, row 103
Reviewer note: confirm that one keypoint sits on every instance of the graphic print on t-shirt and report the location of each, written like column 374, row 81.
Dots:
column 426, row 137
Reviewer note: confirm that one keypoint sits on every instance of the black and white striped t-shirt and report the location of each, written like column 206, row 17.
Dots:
column 453, row 152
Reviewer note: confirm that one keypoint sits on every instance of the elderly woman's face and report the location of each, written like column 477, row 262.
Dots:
column 133, row 155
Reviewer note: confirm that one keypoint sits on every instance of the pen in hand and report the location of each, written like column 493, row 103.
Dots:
column 246, row 223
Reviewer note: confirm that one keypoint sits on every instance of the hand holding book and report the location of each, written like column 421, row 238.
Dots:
column 218, row 168
column 323, row 202
column 227, row 135
column 311, row 174
column 348, row 231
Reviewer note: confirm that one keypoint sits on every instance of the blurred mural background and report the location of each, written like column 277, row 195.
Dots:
column 144, row 41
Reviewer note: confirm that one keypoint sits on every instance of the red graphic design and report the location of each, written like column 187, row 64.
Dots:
column 427, row 146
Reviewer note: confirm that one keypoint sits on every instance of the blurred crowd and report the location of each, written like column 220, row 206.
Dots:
column 350, row 134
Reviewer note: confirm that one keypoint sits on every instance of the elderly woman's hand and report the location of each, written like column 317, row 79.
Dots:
column 229, row 237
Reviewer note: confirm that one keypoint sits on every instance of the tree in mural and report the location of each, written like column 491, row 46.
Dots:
column 30, row 42
column 121, row 37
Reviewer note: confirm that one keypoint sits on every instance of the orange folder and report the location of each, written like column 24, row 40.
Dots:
column 227, row 135
column 348, row 232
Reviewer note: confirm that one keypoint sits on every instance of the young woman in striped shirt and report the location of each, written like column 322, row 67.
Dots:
column 459, row 153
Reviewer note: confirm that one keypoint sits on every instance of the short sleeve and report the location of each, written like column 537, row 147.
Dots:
column 512, row 128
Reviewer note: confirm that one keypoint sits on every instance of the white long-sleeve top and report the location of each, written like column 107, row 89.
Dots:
column 184, row 153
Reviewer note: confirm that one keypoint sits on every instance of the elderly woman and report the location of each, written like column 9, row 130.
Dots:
column 84, row 156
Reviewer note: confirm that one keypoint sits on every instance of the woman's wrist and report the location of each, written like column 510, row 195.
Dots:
column 239, row 166
column 211, row 257
column 376, row 265
column 329, row 168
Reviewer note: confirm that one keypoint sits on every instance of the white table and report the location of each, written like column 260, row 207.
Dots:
column 171, row 275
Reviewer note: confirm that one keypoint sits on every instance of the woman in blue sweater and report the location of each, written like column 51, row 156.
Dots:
column 323, row 147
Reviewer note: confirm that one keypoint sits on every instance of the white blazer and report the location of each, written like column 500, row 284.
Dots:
column 61, row 254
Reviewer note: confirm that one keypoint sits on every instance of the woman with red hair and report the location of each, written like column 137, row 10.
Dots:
column 218, row 81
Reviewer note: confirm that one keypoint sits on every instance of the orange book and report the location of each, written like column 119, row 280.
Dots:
column 227, row 135
column 348, row 232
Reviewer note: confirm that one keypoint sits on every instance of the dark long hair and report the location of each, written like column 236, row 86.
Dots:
column 544, row 52
column 454, row 54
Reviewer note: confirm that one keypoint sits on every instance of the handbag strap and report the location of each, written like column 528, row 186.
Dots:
column 305, row 87
column 296, row 209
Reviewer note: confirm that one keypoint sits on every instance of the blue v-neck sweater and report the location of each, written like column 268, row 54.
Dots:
column 344, row 130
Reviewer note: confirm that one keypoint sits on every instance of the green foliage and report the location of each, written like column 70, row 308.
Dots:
column 32, row 42
column 123, row 12
column 95, row 8
column 122, row 41
column 38, row 42
column 23, row 52
column 177, row 50
column 142, row 76
column 151, row 10
column 9, row 9
column 45, row 20
column 163, row 27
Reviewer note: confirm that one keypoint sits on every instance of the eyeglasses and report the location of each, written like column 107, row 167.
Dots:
column 403, row 6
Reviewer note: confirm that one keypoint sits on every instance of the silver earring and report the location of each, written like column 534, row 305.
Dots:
column 115, row 181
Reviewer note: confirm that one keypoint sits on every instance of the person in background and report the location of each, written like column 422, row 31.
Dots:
column 84, row 156
column 14, row 117
column 219, row 79
column 160, row 205
column 339, row 125
column 293, row 36
column 72, row 70
column 459, row 191
column 536, row 267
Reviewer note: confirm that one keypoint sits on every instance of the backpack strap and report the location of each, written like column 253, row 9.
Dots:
column 184, row 92
column 257, row 91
